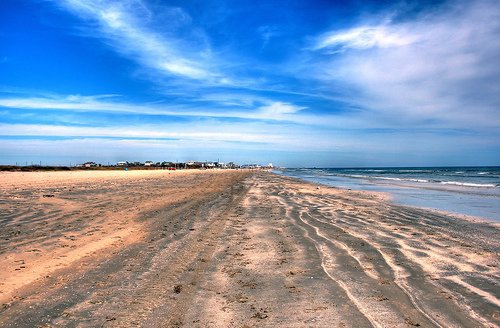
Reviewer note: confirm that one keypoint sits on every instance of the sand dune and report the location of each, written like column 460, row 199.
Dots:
column 235, row 249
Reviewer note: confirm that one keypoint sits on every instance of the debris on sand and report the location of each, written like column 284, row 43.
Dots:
column 177, row 289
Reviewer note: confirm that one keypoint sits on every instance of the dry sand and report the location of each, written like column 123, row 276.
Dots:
column 233, row 249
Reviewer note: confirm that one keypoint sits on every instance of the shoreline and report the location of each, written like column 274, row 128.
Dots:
column 479, row 207
column 386, row 196
column 235, row 248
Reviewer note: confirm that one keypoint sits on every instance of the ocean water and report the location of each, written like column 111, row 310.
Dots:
column 462, row 190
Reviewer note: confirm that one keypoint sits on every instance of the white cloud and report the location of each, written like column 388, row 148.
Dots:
column 279, row 109
column 247, row 108
column 235, row 140
column 239, row 106
column 125, row 26
column 438, row 69
column 74, row 103
column 174, row 131
column 365, row 37
column 267, row 32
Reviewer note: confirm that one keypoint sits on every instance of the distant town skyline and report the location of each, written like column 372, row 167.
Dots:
column 295, row 83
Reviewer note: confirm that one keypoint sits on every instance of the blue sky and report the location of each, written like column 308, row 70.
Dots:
column 295, row 83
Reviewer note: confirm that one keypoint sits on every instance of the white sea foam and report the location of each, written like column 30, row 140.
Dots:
column 467, row 184
column 454, row 183
column 402, row 179
column 355, row 176
column 385, row 178
column 415, row 171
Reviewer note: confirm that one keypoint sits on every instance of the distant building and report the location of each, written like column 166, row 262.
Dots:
column 184, row 165
column 210, row 165
column 251, row 166
column 166, row 164
column 89, row 164
column 193, row 165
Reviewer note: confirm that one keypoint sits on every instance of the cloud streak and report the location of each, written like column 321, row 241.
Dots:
column 366, row 37
column 124, row 24
column 439, row 68
column 246, row 109
column 279, row 111
column 234, row 140
column 178, row 132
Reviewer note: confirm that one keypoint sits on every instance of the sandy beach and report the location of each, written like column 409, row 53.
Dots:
column 234, row 249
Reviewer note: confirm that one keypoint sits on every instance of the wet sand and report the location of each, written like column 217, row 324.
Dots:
column 234, row 249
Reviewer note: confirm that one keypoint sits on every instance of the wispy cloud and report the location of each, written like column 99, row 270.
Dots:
column 365, row 37
column 237, row 142
column 257, row 108
column 279, row 110
column 95, row 103
column 175, row 131
column 267, row 32
column 441, row 67
column 245, row 108
column 126, row 27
